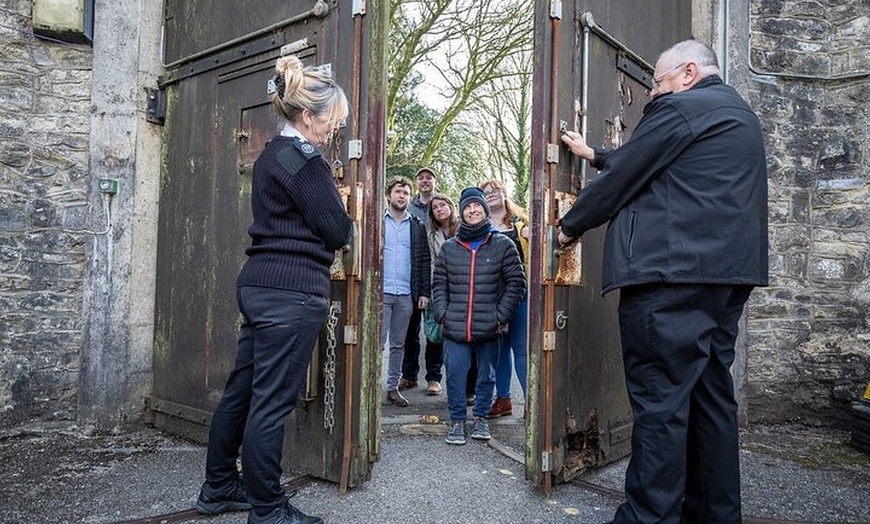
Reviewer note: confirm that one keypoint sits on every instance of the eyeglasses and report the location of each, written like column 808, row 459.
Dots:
column 492, row 193
column 658, row 80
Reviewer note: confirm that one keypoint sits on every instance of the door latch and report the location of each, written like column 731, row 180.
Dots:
column 352, row 255
column 554, row 250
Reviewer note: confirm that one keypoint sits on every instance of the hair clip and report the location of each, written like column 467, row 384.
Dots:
column 280, row 85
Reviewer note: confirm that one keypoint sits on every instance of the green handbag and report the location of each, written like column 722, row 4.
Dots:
column 431, row 328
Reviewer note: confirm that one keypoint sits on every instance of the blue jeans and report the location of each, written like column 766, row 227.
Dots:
column 275, row 344
column 457, row 360
column 513, row 344
column 396, row 311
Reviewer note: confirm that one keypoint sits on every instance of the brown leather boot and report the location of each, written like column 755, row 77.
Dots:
column 501, row 408
column 407, row 384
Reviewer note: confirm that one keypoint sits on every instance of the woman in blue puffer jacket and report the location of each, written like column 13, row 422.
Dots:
column 476, row 288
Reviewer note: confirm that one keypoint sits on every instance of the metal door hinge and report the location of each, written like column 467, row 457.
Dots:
column 359, row 7
column 547, row 461
column 552, row 153
column 556, row 9
column 350, row 334
column 549, row 340
column 354, row 149
column 156, row 113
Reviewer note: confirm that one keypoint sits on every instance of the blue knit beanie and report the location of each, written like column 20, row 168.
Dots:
column 472, row 194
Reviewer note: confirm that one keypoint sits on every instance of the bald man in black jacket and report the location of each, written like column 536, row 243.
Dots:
column 686, row 198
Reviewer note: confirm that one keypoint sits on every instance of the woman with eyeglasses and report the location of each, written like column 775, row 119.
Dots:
column 282, row 291
column 509, row 219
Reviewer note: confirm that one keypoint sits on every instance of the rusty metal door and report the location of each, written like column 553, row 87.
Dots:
column 219, row 60
column 592, row 74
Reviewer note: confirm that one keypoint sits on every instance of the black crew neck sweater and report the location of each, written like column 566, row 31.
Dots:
column 299, row 219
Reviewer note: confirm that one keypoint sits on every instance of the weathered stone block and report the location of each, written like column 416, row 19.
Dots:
column 39, row 170
column 12, row 283
column 14, row 154
column 800, row 206
column 837, row 152
column 795, row 237
column 17, row 99
column 56, row 105
column 794, row 264
column 13, row 211
column 15, row 393
column 15, row 79
column 846, row 217
column 70, row 76
column 12, row 126
column 840, row 184
column 78, row 92
column 42, row 213
column 71, row 57
column 45, row 274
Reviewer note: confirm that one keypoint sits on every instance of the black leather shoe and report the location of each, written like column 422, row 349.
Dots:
column 294, row 516
column 286, row 514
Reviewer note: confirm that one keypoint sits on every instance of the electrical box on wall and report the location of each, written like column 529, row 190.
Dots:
column 66, row 20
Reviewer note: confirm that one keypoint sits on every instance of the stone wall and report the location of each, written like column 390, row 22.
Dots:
column 45, row 98
column 809, row 79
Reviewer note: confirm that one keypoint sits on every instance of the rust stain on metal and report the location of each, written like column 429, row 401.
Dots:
column 582, row 447
column 570, row 260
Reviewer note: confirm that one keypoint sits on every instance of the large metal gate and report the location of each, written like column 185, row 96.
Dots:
column 219, row 58
column 592, row 74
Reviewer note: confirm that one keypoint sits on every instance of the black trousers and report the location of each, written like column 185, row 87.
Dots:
column 411, row 361
column 275, row 344
column 678, row 347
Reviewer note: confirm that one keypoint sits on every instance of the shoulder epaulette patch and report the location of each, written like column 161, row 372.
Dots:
column 293, row 158
column 306, row 148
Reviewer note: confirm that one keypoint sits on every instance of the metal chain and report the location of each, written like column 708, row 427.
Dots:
column 329, row 367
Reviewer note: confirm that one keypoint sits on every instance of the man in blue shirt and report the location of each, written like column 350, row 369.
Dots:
column 406, row 278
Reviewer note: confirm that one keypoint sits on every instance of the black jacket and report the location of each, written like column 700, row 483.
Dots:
column 686, row 196
column 421, row 263
column 474, row 293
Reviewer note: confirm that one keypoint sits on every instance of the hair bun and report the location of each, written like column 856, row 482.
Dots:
column 291, row 70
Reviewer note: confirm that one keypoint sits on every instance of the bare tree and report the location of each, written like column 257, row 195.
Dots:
column 466, row 42
column 502, row 113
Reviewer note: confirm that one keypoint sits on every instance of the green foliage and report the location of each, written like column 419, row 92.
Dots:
column 456, row 162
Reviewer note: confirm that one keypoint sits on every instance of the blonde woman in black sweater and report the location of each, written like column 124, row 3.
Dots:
column 282, row 290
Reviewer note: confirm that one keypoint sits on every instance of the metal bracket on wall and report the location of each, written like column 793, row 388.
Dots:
column 156, row 113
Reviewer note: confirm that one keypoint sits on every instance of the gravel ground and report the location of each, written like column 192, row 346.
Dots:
column 54, row 476
column 65, row 475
